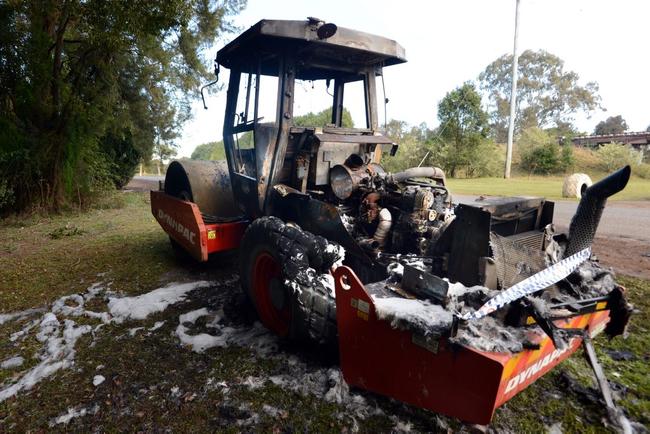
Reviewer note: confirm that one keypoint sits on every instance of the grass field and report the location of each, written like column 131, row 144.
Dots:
column 154, row 383
column 550, row 187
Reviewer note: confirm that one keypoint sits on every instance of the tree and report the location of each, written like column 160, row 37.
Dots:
column 547, row 95
column 123, row 156
column 202, row 151
column 210, row 151
column 612, row 125
column 163, row 151
column 463, row 127
column 73, row 72
column 414, row 145
column 322, row 119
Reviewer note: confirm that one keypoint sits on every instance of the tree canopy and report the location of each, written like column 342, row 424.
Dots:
column 612, row 125
column 547, row 94
column 463, row 127
column 73, row 73
column 322, row 118
column 210, row 151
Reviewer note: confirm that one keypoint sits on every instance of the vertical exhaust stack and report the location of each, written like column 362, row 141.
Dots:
column 585, row 221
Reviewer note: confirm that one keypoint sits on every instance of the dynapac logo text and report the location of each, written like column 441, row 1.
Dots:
column 533, row 369
column 182, row 230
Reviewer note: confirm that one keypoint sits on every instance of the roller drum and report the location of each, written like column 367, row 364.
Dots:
column 206, row 183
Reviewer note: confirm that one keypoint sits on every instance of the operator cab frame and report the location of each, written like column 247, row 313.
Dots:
column 290, row 51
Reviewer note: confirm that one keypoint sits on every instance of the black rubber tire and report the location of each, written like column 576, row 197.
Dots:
column 313, row 309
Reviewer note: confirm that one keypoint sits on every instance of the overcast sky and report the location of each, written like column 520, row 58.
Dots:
column 450, row 42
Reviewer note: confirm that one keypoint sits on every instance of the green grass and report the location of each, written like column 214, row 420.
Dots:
column 128, row 246
column 544, row 186
column 38, row 268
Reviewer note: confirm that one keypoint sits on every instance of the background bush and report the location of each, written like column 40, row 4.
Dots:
column 613, row 156
column 541, row 153
column 642, row 171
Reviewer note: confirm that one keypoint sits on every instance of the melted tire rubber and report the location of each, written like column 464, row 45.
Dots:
column 303, row 257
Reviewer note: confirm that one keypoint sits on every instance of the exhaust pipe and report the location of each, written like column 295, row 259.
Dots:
column 385, row 222
column 419, row 172
column 585, row 221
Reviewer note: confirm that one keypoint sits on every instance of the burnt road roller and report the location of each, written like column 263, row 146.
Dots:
column 450, row 307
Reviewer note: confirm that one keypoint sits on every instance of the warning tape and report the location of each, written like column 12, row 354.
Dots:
column 534, row 283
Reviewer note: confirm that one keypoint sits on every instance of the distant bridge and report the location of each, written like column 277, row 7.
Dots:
column 640, row 140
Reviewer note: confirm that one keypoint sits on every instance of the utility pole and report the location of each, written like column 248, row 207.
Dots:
column 513, row 95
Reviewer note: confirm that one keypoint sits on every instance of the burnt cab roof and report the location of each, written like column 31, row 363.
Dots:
column 346, row 51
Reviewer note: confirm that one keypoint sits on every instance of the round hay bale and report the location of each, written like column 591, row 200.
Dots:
column 575, row 185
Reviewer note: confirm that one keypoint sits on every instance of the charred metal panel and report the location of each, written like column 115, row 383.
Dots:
column 337, row 107
column 512, row 215
column 345, row 50
column 265, row 136
column 370, row 90
column 469, row 244
column 273, row 167
column 328, row 156
column 546, row 217
column 358, row 139
column 425, row 285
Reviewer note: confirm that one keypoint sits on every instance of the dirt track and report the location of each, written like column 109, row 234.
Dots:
column 144, row 183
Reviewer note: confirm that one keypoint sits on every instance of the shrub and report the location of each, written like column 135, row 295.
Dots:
column 489, row 160
column 409, row 154
column 121, row 154
column 541, row 159
column 613, row 156
column 642, row 171
column 93, row 177
column 6, row 194
column 567, row 159
column 540, row 152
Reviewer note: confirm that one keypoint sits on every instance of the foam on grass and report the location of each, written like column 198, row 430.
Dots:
column 12, row 362
column 141, row 306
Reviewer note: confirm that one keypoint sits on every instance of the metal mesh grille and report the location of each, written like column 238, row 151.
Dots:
column 531, row 239
column 517, row 258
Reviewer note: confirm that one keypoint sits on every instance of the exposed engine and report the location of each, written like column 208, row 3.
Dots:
column 401, row 213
